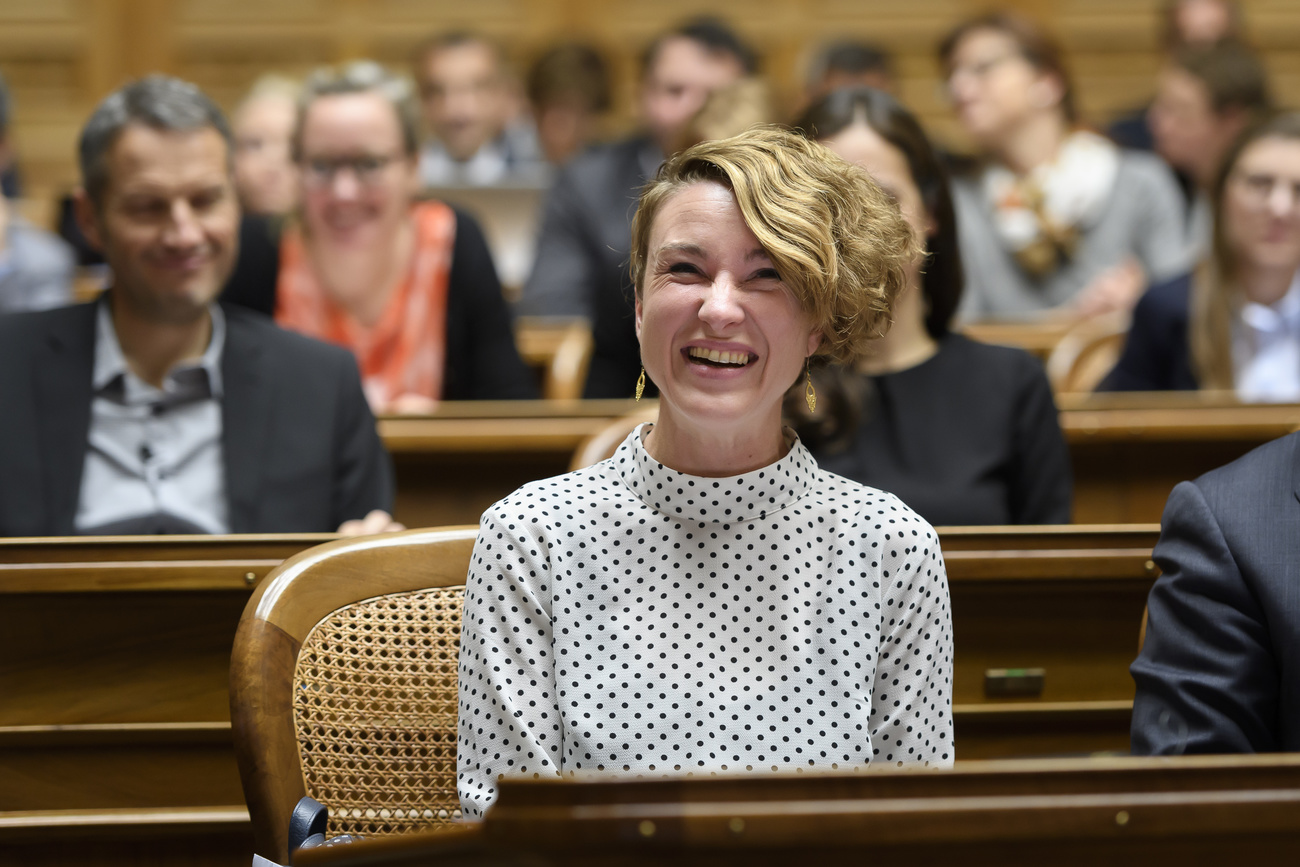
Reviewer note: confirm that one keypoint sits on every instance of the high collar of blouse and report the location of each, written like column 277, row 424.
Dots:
column 746, row 497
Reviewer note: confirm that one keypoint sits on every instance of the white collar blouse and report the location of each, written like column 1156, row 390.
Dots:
column 637, row 621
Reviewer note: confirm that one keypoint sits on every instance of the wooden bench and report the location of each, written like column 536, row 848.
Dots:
column 1189, row 810
column 1128, row 451
column 114, row 728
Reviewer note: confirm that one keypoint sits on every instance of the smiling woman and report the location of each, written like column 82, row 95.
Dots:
column 407, row 285
column 709, row 600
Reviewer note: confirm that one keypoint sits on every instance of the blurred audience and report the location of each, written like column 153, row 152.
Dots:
column 1205, row 97
column 154, row 410
column 265, row 176
column 582, row 252
column 482, row 135
column 408, row 286
column 36, row 267
column 1184, row 24
column 568, row 89
column 963, row 432
column 1235, row 322
column 1053, row 217
column 849, row 63
column 728, row 111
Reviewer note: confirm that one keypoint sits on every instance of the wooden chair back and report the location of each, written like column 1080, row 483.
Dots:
column 605, row 442
column 561, row 349
column 1086, row 353
column 343, row 685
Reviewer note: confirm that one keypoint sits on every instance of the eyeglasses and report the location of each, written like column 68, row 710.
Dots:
column 1260, row 190
column 367, row 169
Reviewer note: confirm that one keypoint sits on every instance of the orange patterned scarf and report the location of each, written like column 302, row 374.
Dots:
column 405, row 351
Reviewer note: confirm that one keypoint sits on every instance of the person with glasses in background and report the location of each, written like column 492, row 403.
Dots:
column 408, row 286
column 1234, row 322
column 1051, row 216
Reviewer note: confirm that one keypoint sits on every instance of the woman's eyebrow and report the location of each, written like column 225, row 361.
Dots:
column 681, row 248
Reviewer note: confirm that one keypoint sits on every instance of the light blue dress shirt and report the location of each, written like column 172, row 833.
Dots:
column 1266, row 349
column 154, row 459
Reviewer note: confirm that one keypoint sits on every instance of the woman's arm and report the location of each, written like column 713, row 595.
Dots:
column 911, row 700
column 509, row 708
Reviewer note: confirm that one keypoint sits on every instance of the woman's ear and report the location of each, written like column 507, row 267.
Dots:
column 638, row 318
column 814, row 340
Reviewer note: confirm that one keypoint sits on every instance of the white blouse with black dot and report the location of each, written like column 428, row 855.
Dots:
column 635, row 620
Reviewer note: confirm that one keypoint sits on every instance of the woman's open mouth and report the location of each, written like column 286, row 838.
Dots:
column 717, row 357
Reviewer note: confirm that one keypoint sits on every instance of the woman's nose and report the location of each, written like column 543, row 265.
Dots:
column 721, row 305
column 1283, row 198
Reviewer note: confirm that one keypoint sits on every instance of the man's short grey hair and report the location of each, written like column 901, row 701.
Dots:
column 362, row 76
column 159, row 102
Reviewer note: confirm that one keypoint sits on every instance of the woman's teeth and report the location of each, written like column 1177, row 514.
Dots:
column 715, row 356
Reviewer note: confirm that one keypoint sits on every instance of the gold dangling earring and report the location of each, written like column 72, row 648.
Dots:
column 810, row 393
column 640, row 384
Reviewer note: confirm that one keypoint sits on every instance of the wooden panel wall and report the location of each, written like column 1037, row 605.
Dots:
column 62, row 56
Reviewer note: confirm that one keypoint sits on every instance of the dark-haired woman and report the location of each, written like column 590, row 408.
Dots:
column 963, row 432
column 1053, row 216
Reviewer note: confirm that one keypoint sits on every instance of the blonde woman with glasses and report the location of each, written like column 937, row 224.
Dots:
column 407, row 285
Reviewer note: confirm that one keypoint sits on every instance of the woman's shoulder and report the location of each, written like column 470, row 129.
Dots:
column 967, row 364
column 1142, row 174
column 870, row 511
column 565, row 495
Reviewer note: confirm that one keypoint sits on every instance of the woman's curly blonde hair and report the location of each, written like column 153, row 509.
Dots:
column 837, row 240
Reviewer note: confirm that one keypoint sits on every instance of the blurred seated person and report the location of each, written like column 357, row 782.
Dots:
column 1219, row 671
column 37, row 269
column 963, row 432
column 408, row 286
column 568, row 89
column 153, row 409
column 730, row 110
column 1234, row 323
column 265, row 176
column 582, row 251
column 1205, row 98
column 1052, row 217
column 481, row 134
column 1184, row 24
column 849, row 63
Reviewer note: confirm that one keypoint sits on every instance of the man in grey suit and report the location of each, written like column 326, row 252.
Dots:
column 586, row 234
column 154, row 409
column 1220, row 669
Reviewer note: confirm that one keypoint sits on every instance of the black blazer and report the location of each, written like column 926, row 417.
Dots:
column 1220, row 669
column 1156, row 353
column 300, row 446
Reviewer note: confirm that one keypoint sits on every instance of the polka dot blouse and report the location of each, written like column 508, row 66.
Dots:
column 631, row 619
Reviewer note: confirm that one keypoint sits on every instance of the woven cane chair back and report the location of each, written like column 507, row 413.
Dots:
column 343, row 685
column 374, row 708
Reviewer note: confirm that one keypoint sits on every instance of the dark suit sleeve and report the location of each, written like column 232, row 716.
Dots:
column 363, row 472
column 1206, row 678
column 1155, row 350
column 563, row 280
column 1041, row 479
column 482, row 361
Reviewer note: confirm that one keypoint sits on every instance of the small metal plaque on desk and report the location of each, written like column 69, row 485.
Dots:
column 1014, row 681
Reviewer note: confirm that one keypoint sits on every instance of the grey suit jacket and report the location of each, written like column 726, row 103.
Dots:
column 39, row 271
column 301, row 450
column 1220, row 669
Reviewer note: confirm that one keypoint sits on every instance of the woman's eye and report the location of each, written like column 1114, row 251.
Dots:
column 682, row 268
column 767, row 274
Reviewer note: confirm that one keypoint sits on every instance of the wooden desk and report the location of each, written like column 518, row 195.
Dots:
column 1204, row 810
column 1130, row 450
column 453, row 465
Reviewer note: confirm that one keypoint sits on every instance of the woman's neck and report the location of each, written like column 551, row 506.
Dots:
column 361, row 281
column 907, row 343
column 1266, row 285
column 698, row 450
column 1037, row 142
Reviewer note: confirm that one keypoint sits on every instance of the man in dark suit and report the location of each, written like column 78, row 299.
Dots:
column 154, row 409
column 1220, row 669
column 582, row 252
